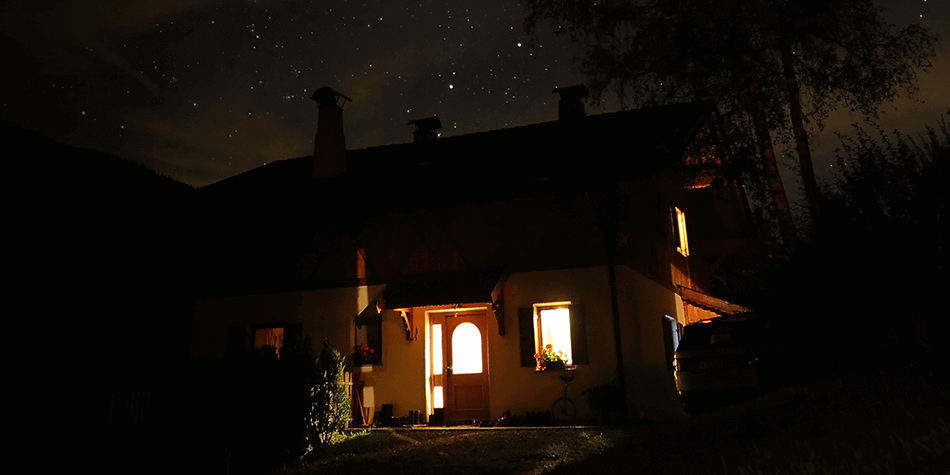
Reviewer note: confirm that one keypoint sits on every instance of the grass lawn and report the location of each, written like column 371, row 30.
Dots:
column 459, row 451
column 871, row 422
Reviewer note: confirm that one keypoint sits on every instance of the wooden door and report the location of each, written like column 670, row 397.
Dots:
column 466, row 367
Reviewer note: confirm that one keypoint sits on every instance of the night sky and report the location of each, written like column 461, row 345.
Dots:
column 202, row 90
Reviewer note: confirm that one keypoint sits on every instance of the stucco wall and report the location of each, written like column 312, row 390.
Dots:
column 401, row 379
column 521, row 389
column 651, row 389
column 325, row 313
column 643, row 303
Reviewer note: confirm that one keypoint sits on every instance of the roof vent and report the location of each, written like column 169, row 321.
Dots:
column 425, row 128
column 571, row 106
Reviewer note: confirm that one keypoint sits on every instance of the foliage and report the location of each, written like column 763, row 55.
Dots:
column 878, row 236
column 548, row 355
column 769, row 66
column 886, row 220
column 663, row 51
column 895, row 183
column 331, row 405
column 258, row 405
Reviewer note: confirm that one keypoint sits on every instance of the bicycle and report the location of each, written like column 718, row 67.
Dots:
column 563, row 409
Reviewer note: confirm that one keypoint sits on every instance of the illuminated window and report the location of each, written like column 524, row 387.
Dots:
column 240, row 340
column 553, row 327
column 437, row 397
column 559, row 324
column 466, row 349
column 269, row 337
column 679, row 228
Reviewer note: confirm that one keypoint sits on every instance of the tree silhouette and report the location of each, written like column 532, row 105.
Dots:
column 769, row 66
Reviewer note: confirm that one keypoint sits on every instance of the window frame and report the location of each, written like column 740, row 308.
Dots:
column 680, row 233
column 529, row 332
column 539, row 342
column 369, row 331
column 258, row 345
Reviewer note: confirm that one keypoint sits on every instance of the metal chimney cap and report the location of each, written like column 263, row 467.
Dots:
column 326, row 96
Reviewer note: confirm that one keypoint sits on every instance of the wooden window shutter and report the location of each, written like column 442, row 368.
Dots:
column 526, row 336
column 578, row 335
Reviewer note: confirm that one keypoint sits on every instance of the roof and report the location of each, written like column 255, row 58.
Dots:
column 275, row 228
column 632, row 143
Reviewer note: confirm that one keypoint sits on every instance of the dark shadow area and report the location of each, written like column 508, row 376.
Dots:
column 101, row 269
column 857, row 290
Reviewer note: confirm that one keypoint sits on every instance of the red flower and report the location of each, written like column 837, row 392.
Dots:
column 363, row 350
column 548, row 346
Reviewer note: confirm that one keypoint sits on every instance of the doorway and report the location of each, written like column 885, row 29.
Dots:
column 459, row 359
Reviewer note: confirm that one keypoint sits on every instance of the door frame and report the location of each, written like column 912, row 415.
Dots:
column 440, row 317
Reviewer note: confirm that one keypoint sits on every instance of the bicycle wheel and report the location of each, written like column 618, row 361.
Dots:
column 563, row 410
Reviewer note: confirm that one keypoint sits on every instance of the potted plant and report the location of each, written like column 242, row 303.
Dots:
column 363, row 354
column 548, row 359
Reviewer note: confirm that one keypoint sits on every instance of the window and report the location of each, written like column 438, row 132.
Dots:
column 269, row 337
column 553, row 327
column 368, row 348
column 559, row 324
column 679, row 229
column 274, row 335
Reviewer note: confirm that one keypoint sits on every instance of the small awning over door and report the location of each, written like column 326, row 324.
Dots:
column 446, row 288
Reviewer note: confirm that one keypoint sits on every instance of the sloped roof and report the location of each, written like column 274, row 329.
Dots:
column 633, row 143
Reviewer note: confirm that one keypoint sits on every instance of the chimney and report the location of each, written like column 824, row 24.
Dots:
column 329, row 144
column 425, row 128
column 570, row 106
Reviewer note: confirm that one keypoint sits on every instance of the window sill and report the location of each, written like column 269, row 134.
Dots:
column 565, row 368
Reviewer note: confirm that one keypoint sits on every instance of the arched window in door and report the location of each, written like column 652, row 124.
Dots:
column 466, row 349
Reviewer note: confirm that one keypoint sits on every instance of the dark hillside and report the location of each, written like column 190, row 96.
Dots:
column 101, row 269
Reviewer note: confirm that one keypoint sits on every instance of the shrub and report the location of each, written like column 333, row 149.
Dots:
column 330, row 404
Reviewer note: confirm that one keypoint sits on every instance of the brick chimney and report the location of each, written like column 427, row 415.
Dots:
column 570, row 106
column 329, row 144
column 425, row 128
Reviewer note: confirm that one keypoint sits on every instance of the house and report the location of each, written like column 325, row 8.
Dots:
column 449, row 261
